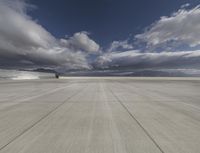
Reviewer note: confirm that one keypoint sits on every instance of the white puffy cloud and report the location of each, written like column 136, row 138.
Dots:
column 136, row 60
column 18, row 30
column 81, row 41
column 25, row 43
column 118, row 45
column 182, row 27
column 24, row 39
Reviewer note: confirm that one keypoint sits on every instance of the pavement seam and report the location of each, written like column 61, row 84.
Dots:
column 115, row 134
column 134, row 118
column 41, row 119
column 176, row 100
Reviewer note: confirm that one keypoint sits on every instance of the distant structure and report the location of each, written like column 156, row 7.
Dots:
column 56, row 75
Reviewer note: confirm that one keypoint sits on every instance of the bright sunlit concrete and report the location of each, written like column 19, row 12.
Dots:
column 100, row 115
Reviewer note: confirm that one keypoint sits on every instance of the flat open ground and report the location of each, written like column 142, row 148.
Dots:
column 100, row 115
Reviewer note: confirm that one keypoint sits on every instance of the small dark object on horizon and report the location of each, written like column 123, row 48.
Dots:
column 57, row 75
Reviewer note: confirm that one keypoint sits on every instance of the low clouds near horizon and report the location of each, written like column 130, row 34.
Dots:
column 25, row 43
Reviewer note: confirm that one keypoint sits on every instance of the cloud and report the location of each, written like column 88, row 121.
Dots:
column 185, row 5
column 18, row 29
column 23, row 39
column 181, row 28
column 138, row 60
column 81, row 41
column 120, row 45
column 24, row 43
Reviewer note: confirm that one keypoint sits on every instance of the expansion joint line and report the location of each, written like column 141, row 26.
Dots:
column 134, row 118
column 42, row 118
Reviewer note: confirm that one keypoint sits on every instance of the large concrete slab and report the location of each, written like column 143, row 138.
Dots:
column 100, row 115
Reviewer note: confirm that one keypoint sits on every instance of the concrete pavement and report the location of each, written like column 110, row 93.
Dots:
column 100, row 115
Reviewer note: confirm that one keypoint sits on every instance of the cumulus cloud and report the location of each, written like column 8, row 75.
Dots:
column 136, row 60
column 18, row 29
column 81, row 41
column 23, row 41
column 120, row 45
column 181, row 28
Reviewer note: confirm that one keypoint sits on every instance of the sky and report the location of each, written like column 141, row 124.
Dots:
column 119, row 35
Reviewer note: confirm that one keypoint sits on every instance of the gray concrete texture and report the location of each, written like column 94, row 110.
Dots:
column 100, row 115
